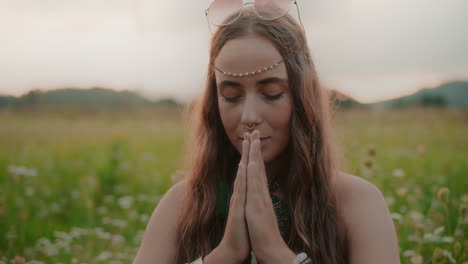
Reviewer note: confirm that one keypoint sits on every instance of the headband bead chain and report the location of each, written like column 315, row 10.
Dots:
column 250, row 73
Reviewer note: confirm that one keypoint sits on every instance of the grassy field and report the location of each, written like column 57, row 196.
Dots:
column 79, row 188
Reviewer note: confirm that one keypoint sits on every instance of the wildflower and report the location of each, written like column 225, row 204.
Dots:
column 102, row 234
column 416, row 259
column 126, row 202
column 456, row 248
column 144, row 218
column 29, row 191
column 416, row 216
column 431, row 237
column 397, row 217
column 90, row 182
column 117, row 239
column 389, row 200
column 464, row 199
column 439, row 230
column 414, row 238
column 51, row 250
column 438, row 255
column 368, row 163
column 138, row 237
column 89, row 203
column 55, row 207
column 75, row 194
column 21, row 170
column 121, row 188
column 19, row 260
column 443, row 194
column 108, row 198
column 399, row 173
column 133, row 215
column 119, row 223
column 463, row 210
column 402, row 191
column 421, row 149
column 103, row 256
column 371, row 150
column 419, row 228
column 447, row 239
column 102, row 210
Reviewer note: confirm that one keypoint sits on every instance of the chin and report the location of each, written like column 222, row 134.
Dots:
column 267, row 156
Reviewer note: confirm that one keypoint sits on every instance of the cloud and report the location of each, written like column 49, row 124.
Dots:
column 161, row 47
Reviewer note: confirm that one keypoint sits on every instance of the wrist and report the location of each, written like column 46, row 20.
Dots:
column 221, row 254
column 280, row 256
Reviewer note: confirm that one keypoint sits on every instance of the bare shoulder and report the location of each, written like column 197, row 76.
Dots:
column 368, row 223
column 348, row 188
column 159, row 239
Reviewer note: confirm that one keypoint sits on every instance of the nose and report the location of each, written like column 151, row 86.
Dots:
column 250, row 112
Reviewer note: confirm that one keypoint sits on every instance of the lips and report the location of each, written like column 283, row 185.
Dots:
column 263, row 138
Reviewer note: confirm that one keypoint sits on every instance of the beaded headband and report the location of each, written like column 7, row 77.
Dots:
column 250, row 73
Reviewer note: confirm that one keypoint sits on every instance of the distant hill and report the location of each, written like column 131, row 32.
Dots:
column 451, row 94
column 93, row 98
column 344, row 101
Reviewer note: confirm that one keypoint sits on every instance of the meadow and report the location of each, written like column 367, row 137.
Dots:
column 80, row 187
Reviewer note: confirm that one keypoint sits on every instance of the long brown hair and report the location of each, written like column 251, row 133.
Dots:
column 315, row 225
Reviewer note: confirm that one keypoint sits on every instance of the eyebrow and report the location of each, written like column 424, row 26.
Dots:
column 261, row 82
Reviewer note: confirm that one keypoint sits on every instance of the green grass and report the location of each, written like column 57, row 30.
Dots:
column 79, row 188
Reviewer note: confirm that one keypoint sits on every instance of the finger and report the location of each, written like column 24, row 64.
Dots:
column 253, row 140
column 259, row 180
column 259, row 159
column 238, row 197
column 245, row 150
column 242, row 164
column 241, row 186
column 255, row 157
column 251, row 180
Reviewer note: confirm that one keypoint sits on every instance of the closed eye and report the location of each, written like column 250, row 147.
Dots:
column 268, row 97
column 274, row 97
column 230, row 99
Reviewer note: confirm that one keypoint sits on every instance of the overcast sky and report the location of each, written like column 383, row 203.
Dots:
column 369, row 49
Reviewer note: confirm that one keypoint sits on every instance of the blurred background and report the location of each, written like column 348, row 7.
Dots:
column 92, row 95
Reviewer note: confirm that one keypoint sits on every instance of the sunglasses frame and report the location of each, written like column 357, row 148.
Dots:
column 252, row 3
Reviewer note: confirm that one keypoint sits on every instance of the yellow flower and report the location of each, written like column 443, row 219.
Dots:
column 463, row 210
column 371, row 150
column 443, row 194
column 438, row 255
column 456, row 248
column 19, row 260
column 417, row 259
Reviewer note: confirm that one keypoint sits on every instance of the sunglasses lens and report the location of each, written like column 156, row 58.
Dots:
column 271, row 9
column 224, row 12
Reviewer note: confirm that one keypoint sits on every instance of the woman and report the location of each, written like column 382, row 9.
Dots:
column 263, row 184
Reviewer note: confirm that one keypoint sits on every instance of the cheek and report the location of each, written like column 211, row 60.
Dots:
column 229, row 119
column 280, row 123
column 280, row 118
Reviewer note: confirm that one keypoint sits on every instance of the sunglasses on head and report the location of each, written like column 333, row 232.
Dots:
column 225, row 12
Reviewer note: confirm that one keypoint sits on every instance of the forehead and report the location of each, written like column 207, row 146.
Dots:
column 247, row 54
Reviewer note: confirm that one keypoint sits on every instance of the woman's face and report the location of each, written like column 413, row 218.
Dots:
column 263, row 99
